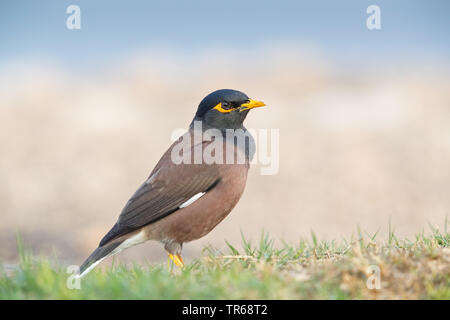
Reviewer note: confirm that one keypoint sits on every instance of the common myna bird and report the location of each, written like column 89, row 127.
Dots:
column 184, row 200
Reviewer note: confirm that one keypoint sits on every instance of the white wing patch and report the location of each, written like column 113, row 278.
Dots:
column 192, row 200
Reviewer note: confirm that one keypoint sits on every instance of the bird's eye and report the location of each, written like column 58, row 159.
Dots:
column 226, row 105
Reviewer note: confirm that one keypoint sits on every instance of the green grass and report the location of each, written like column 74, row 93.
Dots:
column 311, row 269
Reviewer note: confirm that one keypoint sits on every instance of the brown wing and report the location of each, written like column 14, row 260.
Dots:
column 168, row 186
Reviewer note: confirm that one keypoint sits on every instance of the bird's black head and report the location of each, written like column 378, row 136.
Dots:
column 225, row 109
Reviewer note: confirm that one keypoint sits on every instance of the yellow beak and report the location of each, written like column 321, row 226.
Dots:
column 251, row 104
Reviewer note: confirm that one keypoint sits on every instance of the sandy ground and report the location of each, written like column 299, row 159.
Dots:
column 356, row 147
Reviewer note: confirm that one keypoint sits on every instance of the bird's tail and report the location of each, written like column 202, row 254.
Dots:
column 98, row 255
column 111, row 248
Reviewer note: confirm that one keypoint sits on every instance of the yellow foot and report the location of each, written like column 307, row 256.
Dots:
column 176, row 259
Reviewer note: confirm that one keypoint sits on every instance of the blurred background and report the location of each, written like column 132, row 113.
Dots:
column 363, row 115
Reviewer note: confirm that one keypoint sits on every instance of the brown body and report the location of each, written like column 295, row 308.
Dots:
column 200, row 217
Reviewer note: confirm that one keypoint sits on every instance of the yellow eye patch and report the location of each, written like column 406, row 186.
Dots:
column 245, row 106
column 219, row 108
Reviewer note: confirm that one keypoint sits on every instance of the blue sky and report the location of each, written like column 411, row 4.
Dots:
column 114, row 29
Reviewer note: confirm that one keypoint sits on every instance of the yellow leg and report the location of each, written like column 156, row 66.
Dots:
column 176, row 259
